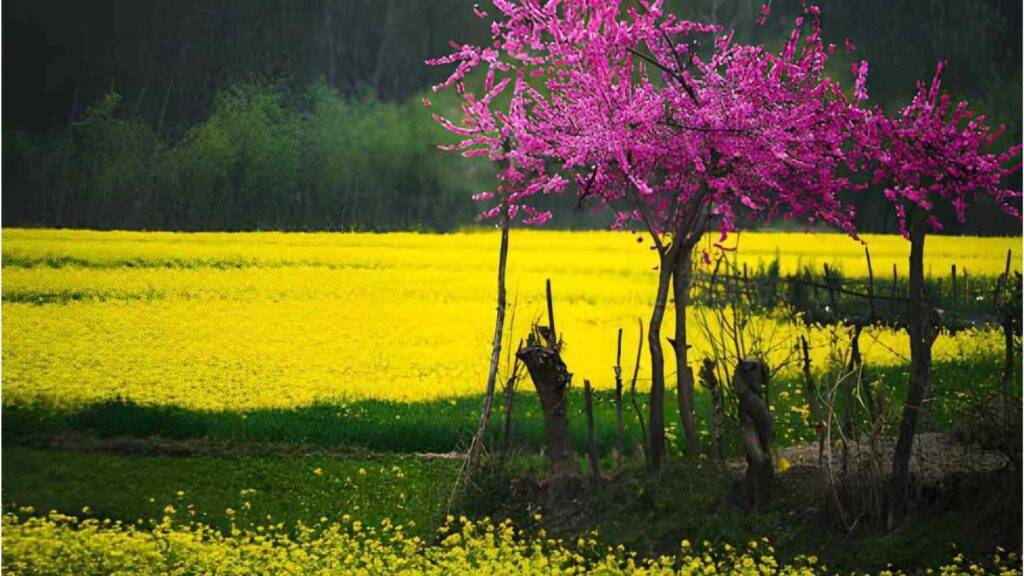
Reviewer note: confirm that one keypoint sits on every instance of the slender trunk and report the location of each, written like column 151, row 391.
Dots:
column 854, row 365
column 644, row 446
column 684, row 373
column 920, row 368
column 656, row 406
column 1007, row 312
column 499, row 329
column 619, row 425
column 510, row 394
column 1006, row 380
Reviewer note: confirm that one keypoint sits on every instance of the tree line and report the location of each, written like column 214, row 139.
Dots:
column 261, row 160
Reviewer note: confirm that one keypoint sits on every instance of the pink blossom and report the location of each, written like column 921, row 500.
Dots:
column 614, row 97
column 930, row 152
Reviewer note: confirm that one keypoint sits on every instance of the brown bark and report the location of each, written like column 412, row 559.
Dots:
column 499, row 327
column 684, row 373
column 551, row 379
column 756, row 432
column 656, row 406
column 921, row 329
column 619, row 425
column 1008, row 314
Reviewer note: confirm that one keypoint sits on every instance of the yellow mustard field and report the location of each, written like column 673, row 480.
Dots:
column 35, row 545
column 247, row 320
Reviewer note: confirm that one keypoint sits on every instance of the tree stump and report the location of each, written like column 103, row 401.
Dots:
column 755, row 432
column 551, row 378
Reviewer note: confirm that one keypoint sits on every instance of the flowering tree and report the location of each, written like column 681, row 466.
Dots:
column 485, row 128
column 618, row 97
column 932, row 152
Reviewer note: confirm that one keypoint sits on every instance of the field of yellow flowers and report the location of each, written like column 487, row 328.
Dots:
column 276, row 320
column 262, row 346
column 39, row 544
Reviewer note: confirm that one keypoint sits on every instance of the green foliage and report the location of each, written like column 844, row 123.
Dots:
column 264, row 158
column 113, row 162
column 241, row 168
column 374, row 165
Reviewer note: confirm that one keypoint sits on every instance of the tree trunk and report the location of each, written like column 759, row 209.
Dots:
column 499, row 328
column 551, row 379
column 921, row 337
column 1005, row 382
column 619, row 425
column 684, row 373
column 656, row 406
column 756, row 433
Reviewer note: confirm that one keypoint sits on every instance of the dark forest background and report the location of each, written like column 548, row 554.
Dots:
column 306, row 115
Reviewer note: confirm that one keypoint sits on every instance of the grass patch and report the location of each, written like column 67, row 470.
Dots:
column 259, row 490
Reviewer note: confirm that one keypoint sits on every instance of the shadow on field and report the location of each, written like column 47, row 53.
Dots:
column 446, row 425
column 439, row 426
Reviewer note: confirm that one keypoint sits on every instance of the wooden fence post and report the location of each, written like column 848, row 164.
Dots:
column 591, row 442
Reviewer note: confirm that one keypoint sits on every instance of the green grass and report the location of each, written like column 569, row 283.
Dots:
column 369, row 487
column 649, row 514
column 447, row 424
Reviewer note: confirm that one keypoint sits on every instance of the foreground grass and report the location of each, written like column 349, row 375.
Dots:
column 62, row 545
column 972, row 514
column 245, row 491
column 292, row 499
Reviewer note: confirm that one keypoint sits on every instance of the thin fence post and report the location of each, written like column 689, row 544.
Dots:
column 871, row 285
column 591, row 443
column 953, row 284
column 895, row 290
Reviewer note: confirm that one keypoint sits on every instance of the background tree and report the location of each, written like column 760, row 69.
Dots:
column 933, row 152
